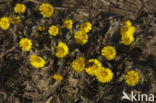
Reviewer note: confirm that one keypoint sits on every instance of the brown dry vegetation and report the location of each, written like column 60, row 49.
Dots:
column 21, row 83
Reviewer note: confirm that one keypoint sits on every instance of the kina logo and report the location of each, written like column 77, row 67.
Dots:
column 137, row 97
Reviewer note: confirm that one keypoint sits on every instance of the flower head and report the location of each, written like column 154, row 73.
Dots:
column 4, row 23
column 58, row 77
column 37, row 61
column 61, row 50
column 53, row 30
column 132, row 78
column 104, row 75
column 127, row 39
column 127, row 28
column 25, row 44
column 15, row 19
column 37, row 34
column 68, row 23
column 128, row 23
column 79, row 64
column 46, row 9
column 93, row 67
column 86, row 27
column 41, row 28
column 19, row 8
column 108, row 52
column 81, row 38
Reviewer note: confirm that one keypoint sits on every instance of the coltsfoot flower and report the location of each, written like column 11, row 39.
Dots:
column 37, row 34
column 93, row 66
column 79, row 64
column 53, row 30
column 41, row 28
column 108, row 52
column 132, row 78
column 128, row 23
column 68, row 23
column 85, row 27
column 4, row 23
column 15, row 19
column 25, row 44
column 81, row 38
column 127, row 28
column 127, row 39
column 58, row 77
column 19, row 8
column 37, row 61
column 103, row 75
column 46, row 9
column 61, row 50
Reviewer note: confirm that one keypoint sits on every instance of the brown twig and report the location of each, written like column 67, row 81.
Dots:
column 34, row 1
column 108, row 9
column 10, row 50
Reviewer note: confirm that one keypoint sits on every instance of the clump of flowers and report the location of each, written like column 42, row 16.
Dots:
column 127, row 28
column 25, row 44
column 108, row 52
column 61, row 50
column 4, row 23
column 94, row 64
column 85, row 27
column 81, row 38
column 58, row 77
column 132, row 78
column 104, row 75
column 127, row 32
column 79, row 64
column 53, row 30
column 15, row 19
column 68, row 23
column 37, row 61
column 19, row 8
column 46, row 9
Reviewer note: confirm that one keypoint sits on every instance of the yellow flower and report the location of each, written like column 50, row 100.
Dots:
column 25, row 44
column 19, row 8
column 86, row 27
column 79, row 64
column 104, row 75
column 81, row 38
column 127, row 28
column 127, row 39
column 37, row 61
column 61, row 50
column 41, row 28
column 37, row 34
column 93, row 67
column 108, row 52
column 53, row 30
column 15, row 19
column 68, row 23
column 128, row 23
column 4, row 23
column 132, row 78
column 46, row 9
column 58, row 77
